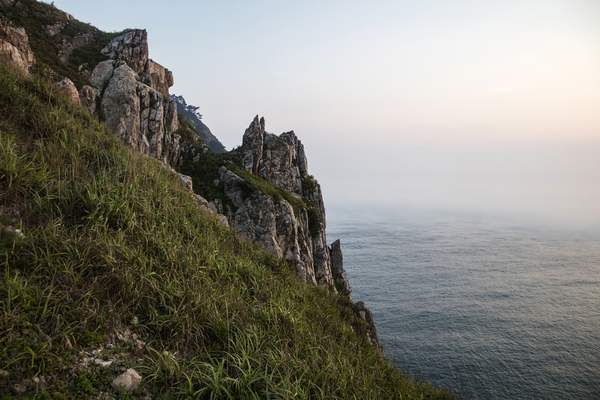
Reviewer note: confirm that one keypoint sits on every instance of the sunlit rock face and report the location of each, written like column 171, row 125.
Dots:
column 14, row 45
column 68, row 88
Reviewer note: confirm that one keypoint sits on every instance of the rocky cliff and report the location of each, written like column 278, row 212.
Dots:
column 296, row 233
column 130, row 92
column 263, row 189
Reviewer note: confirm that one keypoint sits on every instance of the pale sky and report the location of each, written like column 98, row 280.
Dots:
column 491, row 107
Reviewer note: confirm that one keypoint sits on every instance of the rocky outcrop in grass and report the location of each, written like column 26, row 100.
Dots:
column 14, row 46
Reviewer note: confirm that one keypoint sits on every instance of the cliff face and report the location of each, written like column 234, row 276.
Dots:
column 268, row 195
column 294, row 231
column 130, row 93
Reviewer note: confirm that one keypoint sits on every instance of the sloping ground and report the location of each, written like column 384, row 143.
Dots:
column 108, row 264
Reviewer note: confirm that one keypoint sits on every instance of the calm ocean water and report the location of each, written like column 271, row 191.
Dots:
column 490, row 311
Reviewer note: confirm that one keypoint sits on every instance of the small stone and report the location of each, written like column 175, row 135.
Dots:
column 96, row 352
column 129, row 380
column 14, row 232
column 44, row 338
column 19, row 388
column 135, row 320
column 140, row 344
column 4, row 373
column 67, row 344
column 36, row 380
column 134, row 336
column 103, row 363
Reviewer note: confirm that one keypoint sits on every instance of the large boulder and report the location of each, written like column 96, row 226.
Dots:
column 89, row 98
column 68, row 87
column 101, row 74
column 14, row 45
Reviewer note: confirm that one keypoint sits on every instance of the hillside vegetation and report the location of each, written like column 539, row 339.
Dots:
column 107, row 263
column 36, row 17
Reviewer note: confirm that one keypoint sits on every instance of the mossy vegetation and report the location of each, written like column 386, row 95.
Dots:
column 35, row 15
column 114, row 261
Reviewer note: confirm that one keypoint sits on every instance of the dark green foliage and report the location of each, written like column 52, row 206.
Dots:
column 191, row 115
column 188, row 132
column 109, row 235
column 314, row 222
column 204, row 172
column 309, row 185
column 89, row 56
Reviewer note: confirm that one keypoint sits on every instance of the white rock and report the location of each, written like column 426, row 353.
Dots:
column 128, row 380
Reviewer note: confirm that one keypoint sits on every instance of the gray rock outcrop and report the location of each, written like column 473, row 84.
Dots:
column 252, row 145
column 342, row 284
column 14, row 45
column 68, row 88
column 294, row 232
column 272, row 223
column 279, row 160
column 130, row 47
column 366, row 315
column 158, row 77
column 141, row 116
column 130, row 92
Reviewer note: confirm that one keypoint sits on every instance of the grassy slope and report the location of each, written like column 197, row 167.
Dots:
column 114, row 249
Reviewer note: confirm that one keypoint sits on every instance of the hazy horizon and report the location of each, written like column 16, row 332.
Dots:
column 463, row 106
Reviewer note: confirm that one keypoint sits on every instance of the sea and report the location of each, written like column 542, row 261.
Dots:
column 487, row 309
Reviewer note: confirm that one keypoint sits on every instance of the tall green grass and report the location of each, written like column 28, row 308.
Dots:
column 115, row 253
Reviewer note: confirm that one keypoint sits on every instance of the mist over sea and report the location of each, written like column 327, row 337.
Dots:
column 488, row 308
